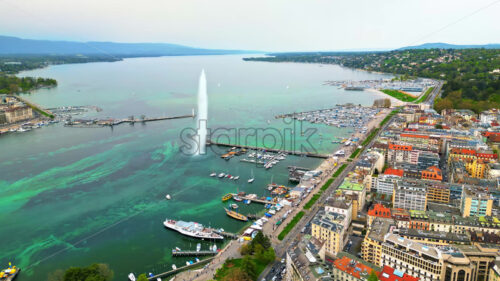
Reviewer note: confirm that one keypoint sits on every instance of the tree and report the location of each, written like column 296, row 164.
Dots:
column 373, row 276
column 142, row 277
column 248, row 266
column 442, row 104
column 94, row 272
column 236, row 274
column 246, row 249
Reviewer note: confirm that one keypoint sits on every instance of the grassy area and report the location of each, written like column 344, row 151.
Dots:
column 290, row 225
column 424, row 96
column 399, row 95
column 327, row 184
column 388, row 117
column 355, row 153
column 236, row 263
column 339, row 170
column 313, row 200
column 372, row 134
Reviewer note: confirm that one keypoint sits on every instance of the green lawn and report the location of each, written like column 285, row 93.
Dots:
column 399, row 95
column 424, row 96
column 290, row 225
column 355, row 153
column 327, row 184
column 313, row 200
column 339, row 170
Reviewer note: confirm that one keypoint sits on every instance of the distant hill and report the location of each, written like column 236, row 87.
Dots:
column 450, row 46
column 17, row 46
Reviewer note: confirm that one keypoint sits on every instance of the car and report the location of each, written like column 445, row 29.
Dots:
column 282, row 260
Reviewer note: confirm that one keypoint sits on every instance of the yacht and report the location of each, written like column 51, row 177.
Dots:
column 236, row 178
column 192, row 229
column 168, row 197
column 213, row 174
column 221, row 175
column 131, row 277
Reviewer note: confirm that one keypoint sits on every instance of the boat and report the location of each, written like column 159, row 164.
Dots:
column 227, row 197
column 192, row 229
column 246, row 201
column 221, row 175
column 168, row 197
column 214, row 248
column 213, row 174
column 252, row 178
column 177, row 249
column 198, row 247
column 131, row 277
column 236, row 178
column 237, row 198
column 9, row 273
column 236, row 215
column 174, row 267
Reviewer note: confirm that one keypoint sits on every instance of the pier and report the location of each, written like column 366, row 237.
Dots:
column 227, row 234
column 193, row 253
column 182, row 268
column 248, row 147
column 114, row 122
column 256, row 200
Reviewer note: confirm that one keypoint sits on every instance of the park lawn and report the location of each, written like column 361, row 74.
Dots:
column 399, row 95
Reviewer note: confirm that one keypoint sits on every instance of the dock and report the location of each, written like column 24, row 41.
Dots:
column 182, row 268
column 96, row 123
column 248, row 147
column 227, row 234
column 256, row 200
column 193, row 253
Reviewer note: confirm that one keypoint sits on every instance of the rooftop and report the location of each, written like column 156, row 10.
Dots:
column 353, row 266
column 390, row 274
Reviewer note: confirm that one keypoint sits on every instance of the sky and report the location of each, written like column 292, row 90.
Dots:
column 266, row 25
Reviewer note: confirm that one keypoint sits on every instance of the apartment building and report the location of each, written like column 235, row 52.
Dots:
column 409, row 195
column 327, row 227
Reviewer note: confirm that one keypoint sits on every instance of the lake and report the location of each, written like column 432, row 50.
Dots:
column 75, row 196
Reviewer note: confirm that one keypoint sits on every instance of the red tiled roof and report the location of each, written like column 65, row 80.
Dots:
column 379, row 210
column 387, row 274
column 400, row 147
column 395, row 172
column 354, row 269
column 415, row 136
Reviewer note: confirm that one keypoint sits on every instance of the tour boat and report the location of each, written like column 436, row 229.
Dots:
column 192, row 229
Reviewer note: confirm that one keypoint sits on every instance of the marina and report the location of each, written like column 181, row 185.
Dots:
column 341, row 116
column 415, row 85
column 248, row 147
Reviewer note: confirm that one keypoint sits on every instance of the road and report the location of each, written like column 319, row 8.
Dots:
column 294, row 236
column 435, row 92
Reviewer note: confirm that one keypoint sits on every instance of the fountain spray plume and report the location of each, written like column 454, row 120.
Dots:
column 202, row 113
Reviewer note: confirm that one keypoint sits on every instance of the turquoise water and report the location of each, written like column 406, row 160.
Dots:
column 74, row 196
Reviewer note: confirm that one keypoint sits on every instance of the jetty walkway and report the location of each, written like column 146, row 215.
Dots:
column 190, row 253
column 291, row 152
column 115, row 122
